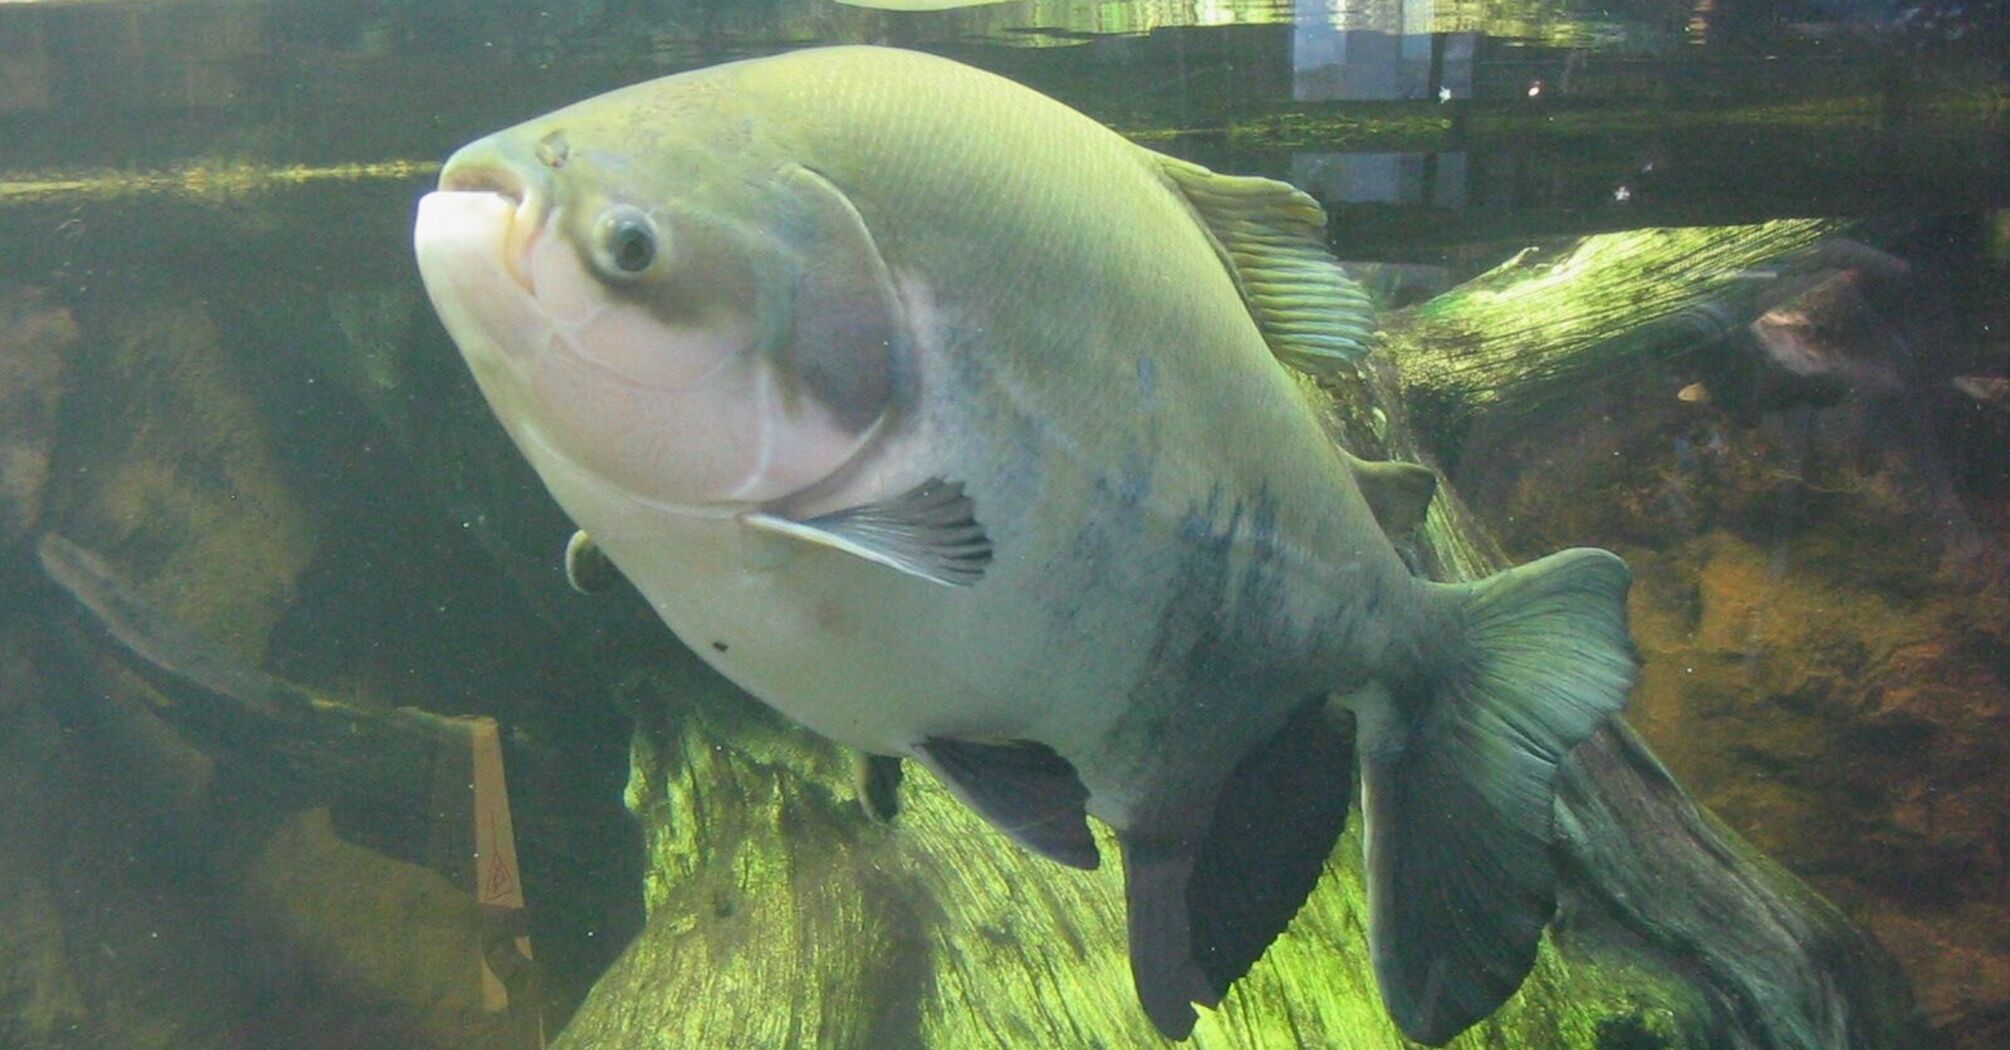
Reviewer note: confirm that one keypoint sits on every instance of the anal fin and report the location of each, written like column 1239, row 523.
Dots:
column 1024, row 789
column 1274, row 827
column 1163, row 969
column 1202, row 913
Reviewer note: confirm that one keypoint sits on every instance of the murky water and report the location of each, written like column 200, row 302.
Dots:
column 233, row 818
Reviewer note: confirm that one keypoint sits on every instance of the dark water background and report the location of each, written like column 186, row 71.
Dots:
column 206, row 208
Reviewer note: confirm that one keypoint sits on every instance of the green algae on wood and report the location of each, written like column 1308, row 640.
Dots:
column 780, row 915
column 1543, row 325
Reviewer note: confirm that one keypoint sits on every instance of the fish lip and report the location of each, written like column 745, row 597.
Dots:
column 462, row 176
column 485, row 167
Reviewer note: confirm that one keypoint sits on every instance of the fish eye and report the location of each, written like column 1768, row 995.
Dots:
column 624, row 242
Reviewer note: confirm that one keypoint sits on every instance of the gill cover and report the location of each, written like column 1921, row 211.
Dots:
column 718, row 349
column 848, row 344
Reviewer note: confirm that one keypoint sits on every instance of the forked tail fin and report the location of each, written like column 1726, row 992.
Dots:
column 1461, row 880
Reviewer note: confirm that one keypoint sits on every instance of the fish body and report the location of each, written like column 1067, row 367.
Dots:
column 953, row 426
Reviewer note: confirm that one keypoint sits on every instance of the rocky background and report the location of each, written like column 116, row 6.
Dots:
column 169, row 879
column 1816, row 507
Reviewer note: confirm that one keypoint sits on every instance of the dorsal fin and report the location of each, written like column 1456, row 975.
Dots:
column 1273, row 239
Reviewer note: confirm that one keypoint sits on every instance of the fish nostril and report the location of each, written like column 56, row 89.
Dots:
column 553, row 151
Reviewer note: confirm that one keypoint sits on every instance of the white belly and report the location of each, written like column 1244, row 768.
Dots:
column 859, row 653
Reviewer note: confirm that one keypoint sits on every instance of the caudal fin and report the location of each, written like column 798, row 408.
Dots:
column 1461, row 880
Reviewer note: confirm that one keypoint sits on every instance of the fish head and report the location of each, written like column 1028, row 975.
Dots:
column 652, row 288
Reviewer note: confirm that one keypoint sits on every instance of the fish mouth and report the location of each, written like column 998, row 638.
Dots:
column 486, row 167
column 473, row 238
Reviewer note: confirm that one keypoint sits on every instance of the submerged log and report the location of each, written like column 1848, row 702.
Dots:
column 410, row 785
column 1538, row 329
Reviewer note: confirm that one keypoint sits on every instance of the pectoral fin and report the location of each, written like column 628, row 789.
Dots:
column 930, row 531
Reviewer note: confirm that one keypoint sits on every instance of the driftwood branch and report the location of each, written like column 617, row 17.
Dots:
column 412, row 785
column 381, row 772
column 1541, row 328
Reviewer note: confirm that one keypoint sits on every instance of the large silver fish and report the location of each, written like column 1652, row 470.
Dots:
column 953, row 425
